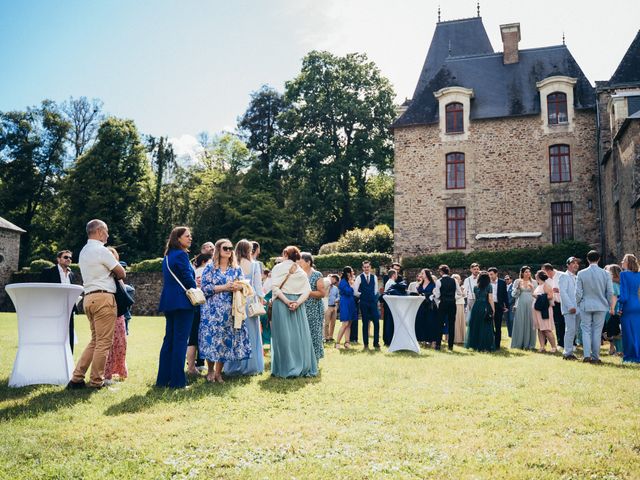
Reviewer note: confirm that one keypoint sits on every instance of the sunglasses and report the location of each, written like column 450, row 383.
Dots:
column 227, row 249
column 66, row 257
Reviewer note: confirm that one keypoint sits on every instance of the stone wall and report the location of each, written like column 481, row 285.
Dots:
column 148, row 287
column 507, row 186
column 9, row 257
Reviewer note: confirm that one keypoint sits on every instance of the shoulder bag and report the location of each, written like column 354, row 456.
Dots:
column 255, row 308
column 123, row 299
column 195, row 295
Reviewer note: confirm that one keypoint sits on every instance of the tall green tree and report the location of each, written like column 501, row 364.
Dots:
column 32, row 152
column 163, row 163
column 112, row 181
column 335, row 133
column 258, row 127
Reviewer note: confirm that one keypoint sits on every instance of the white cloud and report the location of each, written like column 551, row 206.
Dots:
column 187, row 148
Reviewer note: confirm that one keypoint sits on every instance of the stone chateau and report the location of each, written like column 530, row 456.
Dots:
column 500, row 150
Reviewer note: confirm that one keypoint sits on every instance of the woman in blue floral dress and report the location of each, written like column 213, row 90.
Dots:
column 218, row 341
column 314, row 305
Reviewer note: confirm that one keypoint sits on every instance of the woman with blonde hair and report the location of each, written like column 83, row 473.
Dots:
column 629, row 301
column 252, row 271
column 292, row 353
column 218, row 340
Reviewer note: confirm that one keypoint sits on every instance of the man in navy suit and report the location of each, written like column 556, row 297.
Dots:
column 61, row 273
column 501, row 302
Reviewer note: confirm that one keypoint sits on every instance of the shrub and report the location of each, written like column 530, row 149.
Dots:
column 152, row 265
column 331, row 247
column 39, row 265
column 336, row 261
column 75, row 268
column 504, row 259
column 377, row 239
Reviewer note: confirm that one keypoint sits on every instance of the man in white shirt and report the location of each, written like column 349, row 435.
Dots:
column 469, row 283
column 98, row 267
column 558, row 318
column 567, row 286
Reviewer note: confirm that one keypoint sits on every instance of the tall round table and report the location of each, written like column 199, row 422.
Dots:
column 44, row 354
column 404, row 310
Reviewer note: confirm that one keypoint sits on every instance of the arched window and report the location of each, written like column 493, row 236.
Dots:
column 454, row 113
column 559, row 163
column 455, row 170
column 557, row 108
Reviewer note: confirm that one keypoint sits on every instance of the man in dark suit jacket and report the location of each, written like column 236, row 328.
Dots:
column 501, row 301
column 61, row 273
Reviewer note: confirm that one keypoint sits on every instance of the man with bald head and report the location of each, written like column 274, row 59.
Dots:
column 99, row 270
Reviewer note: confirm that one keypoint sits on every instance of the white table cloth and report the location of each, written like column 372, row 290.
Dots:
column 44, row 354
column 404, row 311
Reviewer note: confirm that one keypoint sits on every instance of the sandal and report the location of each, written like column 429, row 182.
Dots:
column 347, row 345
column 218, row 378
column 211, row 378
column 337, row 345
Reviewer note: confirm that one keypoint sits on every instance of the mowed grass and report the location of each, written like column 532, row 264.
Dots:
column 369, row 415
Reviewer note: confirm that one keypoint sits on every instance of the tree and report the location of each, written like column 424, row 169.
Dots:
column 335, row 133
column 112, row 181
column 258, row 127
column 32, row 149
column 85, row 118
column 163, row 162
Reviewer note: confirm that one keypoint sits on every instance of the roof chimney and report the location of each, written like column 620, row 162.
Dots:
column 510, row 38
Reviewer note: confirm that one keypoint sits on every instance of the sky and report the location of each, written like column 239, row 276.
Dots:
column 180, row 67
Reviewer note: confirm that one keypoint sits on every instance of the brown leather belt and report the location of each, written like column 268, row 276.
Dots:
column 97, row 291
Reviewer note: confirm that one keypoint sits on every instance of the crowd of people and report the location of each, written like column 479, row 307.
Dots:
column 222, row 308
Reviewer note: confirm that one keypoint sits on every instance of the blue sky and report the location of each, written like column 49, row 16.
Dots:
column 181, row 67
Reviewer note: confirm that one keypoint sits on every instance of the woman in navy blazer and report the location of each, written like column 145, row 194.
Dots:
column 177, row 309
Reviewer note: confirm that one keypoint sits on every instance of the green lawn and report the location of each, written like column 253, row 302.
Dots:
column 369, row 415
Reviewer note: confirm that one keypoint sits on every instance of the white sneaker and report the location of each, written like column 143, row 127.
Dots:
column 108, row 382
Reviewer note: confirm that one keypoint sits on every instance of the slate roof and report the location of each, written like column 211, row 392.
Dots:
column 499, row 90
column 628, row 72
column 453, row 38
column 7, row 225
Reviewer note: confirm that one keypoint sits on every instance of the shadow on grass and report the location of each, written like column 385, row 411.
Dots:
column 48, row 401
column 287, row 385
column 10, row 393
column 198, row 388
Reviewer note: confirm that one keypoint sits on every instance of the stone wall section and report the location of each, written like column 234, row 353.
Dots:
column 9, row 257
column 507, row 183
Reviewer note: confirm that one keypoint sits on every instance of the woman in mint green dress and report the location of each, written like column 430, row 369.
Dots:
column 480, row 334
column 523, row 335
column 292, row 353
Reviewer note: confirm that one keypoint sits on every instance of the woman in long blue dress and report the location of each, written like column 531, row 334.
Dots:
column 480, row 335
column 523, row 333
column 348, row 309
column 292, row 353
column 314, row 305
column 253, row 365
column 218, row 340
column 426, row 320
column 629, row 301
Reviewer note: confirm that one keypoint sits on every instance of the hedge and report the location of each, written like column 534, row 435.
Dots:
column 151, row 265
column 377, row 239
column 504, row 259
column 37, row 266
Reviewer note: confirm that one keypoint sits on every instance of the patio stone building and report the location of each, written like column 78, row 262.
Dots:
column 496, row 150
column 9, row 252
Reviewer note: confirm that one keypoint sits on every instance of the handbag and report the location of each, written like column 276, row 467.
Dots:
column 195, row 295
column 293, row 268
column 612, row 329
column 255, row 308
column 123, row 299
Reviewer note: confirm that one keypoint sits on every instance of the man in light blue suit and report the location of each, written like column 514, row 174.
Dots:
column 567, row 285
column 594, row 292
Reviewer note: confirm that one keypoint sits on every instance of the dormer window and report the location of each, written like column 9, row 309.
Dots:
column 455, row 122
column 557, row 108
column 556, row 103
column 454, row 105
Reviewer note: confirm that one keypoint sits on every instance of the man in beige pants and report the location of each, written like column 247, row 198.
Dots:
column 98, row 267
